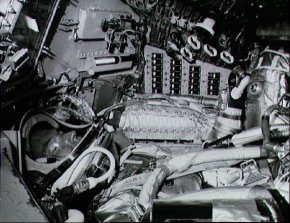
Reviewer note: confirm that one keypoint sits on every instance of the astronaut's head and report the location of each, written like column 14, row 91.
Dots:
column 45, row 139
column 47, row 142
column 269, row 82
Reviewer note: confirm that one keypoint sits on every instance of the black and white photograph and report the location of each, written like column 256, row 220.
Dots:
column 144, row 111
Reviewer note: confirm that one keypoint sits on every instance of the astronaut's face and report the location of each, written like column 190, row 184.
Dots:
column 60, row 145
column 51, row 143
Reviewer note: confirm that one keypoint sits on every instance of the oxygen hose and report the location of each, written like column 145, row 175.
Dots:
column 251, row 135
column 152, row 185
column 183, row 162
column 93, row 181
column 67, row 181
column 223, row 193
column 255, row 134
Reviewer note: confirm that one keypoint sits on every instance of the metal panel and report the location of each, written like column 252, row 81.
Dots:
column 17, row 204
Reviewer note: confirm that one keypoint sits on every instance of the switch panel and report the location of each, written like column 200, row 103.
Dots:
column 157, row 72
column 213, row 83
column 175, row 76
column 194, row 80
column 178, row 77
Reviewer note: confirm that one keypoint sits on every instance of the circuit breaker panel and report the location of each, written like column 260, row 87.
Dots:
column 166, row 75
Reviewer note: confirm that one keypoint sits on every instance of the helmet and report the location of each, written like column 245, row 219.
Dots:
column 45, row 143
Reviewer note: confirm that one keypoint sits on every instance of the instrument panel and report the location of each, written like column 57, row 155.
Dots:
column 166, row 75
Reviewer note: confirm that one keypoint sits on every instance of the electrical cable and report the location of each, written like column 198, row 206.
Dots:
column 72, row 126
column 68, row 109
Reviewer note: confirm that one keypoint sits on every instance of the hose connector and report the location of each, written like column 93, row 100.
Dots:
column 81, row 186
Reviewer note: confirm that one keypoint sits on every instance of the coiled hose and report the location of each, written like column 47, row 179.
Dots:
column 69, row 177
